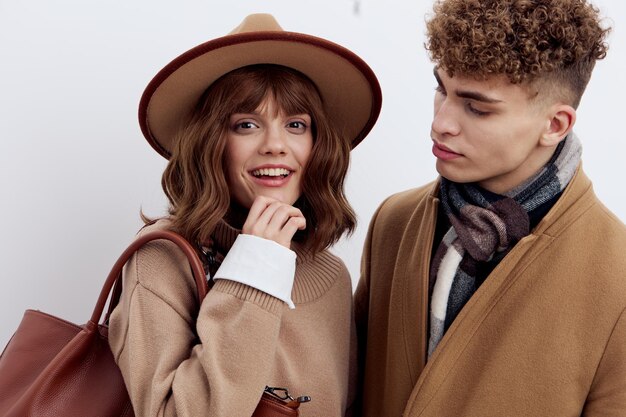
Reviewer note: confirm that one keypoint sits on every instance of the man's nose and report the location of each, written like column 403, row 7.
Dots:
column 445, row 119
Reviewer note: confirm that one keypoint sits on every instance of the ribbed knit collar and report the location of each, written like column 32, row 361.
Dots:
column 314, row 274
column 224, row 236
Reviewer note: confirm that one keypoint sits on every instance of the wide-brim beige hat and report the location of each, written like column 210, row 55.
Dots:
column 349, row 89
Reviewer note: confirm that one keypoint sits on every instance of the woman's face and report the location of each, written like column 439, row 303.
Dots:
column 266, row 154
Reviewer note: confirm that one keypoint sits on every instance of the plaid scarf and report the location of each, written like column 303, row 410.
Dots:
column 484, row 228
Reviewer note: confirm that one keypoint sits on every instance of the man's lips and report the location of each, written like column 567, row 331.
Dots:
column 443, row 152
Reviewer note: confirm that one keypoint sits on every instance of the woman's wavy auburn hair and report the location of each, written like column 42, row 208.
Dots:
column 195, row 183
column 553, row 42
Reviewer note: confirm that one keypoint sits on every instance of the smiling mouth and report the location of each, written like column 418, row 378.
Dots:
column 271, row 173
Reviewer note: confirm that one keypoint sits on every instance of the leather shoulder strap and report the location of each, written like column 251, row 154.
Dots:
column 115, row 276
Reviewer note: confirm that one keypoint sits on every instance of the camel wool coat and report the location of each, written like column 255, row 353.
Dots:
column 543, row 336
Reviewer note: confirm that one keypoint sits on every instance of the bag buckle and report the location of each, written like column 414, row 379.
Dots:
column 283, row 394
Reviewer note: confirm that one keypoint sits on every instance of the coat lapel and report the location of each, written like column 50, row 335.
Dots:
column 409, row 290
column 509, row 270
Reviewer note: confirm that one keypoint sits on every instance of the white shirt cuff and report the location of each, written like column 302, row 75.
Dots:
column 262, row 264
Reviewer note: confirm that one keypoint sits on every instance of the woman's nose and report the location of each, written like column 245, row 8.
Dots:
column 274, row 141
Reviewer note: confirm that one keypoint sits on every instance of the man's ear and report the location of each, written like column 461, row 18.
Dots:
column 561, row 122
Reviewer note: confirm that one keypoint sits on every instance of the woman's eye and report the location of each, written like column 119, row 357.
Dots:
column 297, row 126
column 243, row 126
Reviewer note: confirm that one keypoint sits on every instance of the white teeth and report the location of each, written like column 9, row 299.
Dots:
column 270, row 172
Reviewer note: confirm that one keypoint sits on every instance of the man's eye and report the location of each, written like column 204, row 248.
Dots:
column 440, row 90
column 476, row 111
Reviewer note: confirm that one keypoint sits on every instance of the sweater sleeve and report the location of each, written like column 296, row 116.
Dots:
column 607, row 397
column 262, row 264
column 178, row 359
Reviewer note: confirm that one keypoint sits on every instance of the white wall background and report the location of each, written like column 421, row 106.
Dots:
column 75, row 169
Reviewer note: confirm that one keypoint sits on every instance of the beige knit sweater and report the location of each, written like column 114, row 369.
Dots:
column 179, row 358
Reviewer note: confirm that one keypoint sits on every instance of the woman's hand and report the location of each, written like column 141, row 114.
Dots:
column 273, row 220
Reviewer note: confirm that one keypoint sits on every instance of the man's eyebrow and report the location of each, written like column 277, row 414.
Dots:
column 437, row 76
column 472, row 95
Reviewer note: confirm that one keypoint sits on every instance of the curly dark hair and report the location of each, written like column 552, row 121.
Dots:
column 526, row 40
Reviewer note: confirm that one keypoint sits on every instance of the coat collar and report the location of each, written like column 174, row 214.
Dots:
column 577, row 198
column 414, row 262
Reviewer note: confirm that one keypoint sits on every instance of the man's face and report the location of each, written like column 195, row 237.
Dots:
column 488, row 131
